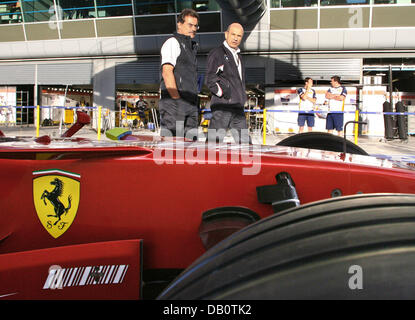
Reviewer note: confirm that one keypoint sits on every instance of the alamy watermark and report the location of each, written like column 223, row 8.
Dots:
column 356, row 280
column 56, row 15
column 180, row 150
column 356, row 19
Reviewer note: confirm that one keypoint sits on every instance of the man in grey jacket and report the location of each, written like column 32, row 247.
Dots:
column 225, row 78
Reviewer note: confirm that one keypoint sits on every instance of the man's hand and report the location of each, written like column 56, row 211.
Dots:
column 225, row 87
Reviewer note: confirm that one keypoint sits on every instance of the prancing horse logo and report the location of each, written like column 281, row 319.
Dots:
column 53, row 197
column 56, row 195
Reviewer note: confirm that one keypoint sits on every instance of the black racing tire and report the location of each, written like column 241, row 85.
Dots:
column 355, row 247
column 321, row 141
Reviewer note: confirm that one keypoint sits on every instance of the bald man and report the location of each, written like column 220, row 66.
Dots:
column 225, row 77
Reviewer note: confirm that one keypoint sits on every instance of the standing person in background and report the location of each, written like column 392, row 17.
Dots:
column 178, row 101
column 142, row 107
column 336, row 96
column 307, row 101
column 225, row 78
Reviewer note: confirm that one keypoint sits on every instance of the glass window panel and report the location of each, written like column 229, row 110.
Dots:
column 154, row 7
column 10, row 12
column 198, row 5
column 394, row 1
column 76, row 9
column 114, row 8
column 210, row 22
column 172, row 6
column 342, row 2
column 38, row 10
column 293, row 3
column 164, row 24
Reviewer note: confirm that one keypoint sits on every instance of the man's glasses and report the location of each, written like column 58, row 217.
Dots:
column 191, row 25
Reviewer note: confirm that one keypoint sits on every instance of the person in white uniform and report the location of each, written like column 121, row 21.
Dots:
column 336, row 96
column 307, row 102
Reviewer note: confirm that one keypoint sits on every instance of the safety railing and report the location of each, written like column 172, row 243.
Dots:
column 47, row 117
column 102, row 118
column 357, row 114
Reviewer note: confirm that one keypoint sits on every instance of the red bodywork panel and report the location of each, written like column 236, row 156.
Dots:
column 105, row 270
column 158, row 192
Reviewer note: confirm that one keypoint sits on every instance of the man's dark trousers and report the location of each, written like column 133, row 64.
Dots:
column 178, row 118
column 225, row 118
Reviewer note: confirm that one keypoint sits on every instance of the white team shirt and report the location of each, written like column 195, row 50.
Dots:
column 235, row 57
column 170, row 51
column 306, row 105
column 336, row 105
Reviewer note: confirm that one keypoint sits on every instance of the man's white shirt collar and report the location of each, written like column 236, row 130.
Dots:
column 235, row 57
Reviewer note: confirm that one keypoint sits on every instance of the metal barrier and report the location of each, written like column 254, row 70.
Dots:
column 102, row 118
column 9, row 119
column 357, row 113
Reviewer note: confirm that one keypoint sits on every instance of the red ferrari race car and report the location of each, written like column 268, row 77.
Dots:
column 142, row 217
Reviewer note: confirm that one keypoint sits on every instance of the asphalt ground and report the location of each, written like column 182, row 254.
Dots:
column 395, row 149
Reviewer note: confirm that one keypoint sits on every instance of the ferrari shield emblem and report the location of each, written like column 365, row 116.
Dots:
column 56, row 196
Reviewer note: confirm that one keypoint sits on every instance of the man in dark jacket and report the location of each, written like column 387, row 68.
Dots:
column 178, row 100
column 225, row 78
